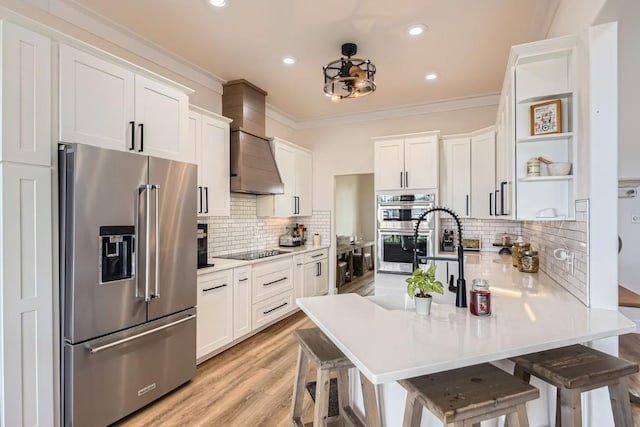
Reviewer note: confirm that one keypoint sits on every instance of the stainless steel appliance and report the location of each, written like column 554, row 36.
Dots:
column 248, row 256
column 397, row 215
column 203, row 250
column 128, row 279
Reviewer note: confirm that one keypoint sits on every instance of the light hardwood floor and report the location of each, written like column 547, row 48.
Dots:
column 250, row 384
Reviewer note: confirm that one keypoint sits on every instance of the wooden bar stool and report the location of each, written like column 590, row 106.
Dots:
column 466, row 396
column 316, row 348
column 574, row 370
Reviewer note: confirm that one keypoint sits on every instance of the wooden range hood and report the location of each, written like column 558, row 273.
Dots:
column 253, row 166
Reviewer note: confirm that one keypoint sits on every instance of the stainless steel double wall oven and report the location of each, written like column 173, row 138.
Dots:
column 396, row 219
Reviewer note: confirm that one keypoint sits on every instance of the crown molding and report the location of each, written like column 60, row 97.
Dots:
column 383, row 114
column 86, row 19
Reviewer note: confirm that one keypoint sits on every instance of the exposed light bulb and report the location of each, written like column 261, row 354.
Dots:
column 218, row 3
column 335, row 98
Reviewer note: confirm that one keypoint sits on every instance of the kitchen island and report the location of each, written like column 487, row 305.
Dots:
column 387, row 341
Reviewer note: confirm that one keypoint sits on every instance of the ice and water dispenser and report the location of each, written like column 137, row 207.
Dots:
column 117, row 253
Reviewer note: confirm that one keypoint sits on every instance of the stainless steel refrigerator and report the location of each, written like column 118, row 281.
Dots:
column 128, row 278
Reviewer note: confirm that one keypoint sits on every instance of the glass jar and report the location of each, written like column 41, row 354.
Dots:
column 529, row 262
column 480, row 298
column 533, row 166
column 517, row 248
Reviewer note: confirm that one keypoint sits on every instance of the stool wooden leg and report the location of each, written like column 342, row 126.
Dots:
column 321, row 408
column 412, row 411
column 519, row 417
column 343, row 389
column 298, row 387
column 570, row 408
column 519, row 372
column 370, row 403
column 620, row 403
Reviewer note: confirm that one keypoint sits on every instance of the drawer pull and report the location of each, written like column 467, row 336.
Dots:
column 316, row 256
column 275, row 308
column 243, row 280
column 214, row 288
column 275, row 281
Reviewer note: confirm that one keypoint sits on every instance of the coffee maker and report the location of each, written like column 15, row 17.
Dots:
column 202, row 247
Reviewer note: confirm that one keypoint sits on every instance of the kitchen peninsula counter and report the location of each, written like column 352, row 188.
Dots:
column 387, row 341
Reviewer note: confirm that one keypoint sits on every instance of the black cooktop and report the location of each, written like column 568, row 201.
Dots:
column 248, row 256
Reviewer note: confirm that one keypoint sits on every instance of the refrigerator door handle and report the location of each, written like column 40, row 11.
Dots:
column 146, row 189
column 94, row 350
column 157, row 248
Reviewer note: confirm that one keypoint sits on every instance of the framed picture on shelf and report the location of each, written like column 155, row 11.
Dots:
column 546, row 117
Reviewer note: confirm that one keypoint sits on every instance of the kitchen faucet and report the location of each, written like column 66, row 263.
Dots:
column 461, row 288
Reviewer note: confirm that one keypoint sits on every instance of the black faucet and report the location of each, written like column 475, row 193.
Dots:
column 461, row 288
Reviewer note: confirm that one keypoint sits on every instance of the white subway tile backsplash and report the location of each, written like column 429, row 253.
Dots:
column 243, row 231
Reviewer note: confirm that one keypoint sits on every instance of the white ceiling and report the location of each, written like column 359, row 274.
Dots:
column 467, row 44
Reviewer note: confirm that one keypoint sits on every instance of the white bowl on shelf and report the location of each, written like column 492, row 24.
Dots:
column 559, row 168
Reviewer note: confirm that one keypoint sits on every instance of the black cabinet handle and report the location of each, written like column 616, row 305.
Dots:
column 141, row 138
column 400, row 179
column 490, row 203
column 275, row 308
column 243, row 280
column 467, row 205
column 133, row 136
column 275, row 281
column 206, row 199
column 495, row 198
column 214, row 288
column 316, row 256
column 200, row 191
column 502, row 185
column 317, row 269
column 406, row 180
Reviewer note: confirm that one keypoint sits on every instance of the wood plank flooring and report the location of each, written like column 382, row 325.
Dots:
column 250, row 384
column 630, row 350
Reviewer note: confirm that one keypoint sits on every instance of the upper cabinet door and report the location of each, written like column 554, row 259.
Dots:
column 458, row 159
column 214, row 167
column 389, row 164
column 161, row 115
column 26, row 96
column 96, row 101
column 483, row 176
column 285, row 159
column 304, row 183
column 421, row 159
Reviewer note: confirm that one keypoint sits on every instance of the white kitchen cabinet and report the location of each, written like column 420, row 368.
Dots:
column 470, row 174
column 505, row 148
column 271, row 278
column 546, row 71
column 26, row 298
column 272, row 309
column 241, row 301
column 110, row 106
column 298, row 276
column 26, row 96
column 316, row 273
column 295, row 165
column 215, row 312
column 209, row 134
column 407, row 162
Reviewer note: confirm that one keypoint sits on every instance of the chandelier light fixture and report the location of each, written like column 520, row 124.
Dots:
column 349, row 77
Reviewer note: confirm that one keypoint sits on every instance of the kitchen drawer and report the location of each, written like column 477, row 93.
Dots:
column 272, row 309
column 272, row 278
column 316, row 255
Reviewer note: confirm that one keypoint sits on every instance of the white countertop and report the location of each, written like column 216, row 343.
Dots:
column 530, row 313
column 221, row 264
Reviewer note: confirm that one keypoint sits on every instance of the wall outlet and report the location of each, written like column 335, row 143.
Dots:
column 635, row 218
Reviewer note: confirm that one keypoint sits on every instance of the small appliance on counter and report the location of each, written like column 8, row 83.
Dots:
column 290, row 238
column 471, row 244
column 448, row 238
column 202, row 247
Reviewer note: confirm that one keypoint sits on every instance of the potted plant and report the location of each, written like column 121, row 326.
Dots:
column 419, row 284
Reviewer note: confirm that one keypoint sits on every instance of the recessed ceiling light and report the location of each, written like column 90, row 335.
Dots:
column 289, row 60
column 218, row 3
column 431, row 76
column 416, row 29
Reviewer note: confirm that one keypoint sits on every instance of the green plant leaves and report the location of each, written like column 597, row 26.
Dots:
column 423, row 282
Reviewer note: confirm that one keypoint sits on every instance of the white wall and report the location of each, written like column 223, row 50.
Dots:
column 355, row 206
column 367, row 206
column 574, row 16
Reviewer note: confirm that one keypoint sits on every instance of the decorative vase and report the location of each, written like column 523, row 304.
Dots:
column 423, row 305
